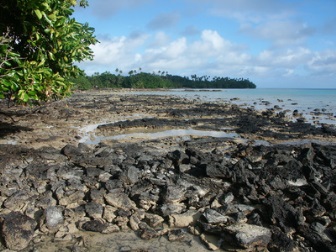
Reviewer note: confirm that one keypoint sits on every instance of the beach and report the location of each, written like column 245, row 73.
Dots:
column 171, row 172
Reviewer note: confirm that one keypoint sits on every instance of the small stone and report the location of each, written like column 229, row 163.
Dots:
column 148, row 233
column 120, row 200
column 176, row 235
column 169, row 209
column 195, row 230
column 94, row 226
column 94, row 210
column 185, row 219
column 215, row 204
column 213, row 217
column 210, row 241
column 72, row 200
column 228, row 198
column 134, row 222
column 132, row 174
column 17, row 201
column 153, row 220
column 72, row 228
column 109, row 213
column 54, row 216
column 184, row 168
column 110, row 228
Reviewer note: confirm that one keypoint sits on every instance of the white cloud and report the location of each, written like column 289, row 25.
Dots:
column 277, row 22
column 160, row 39
column 284, row 58
column 323, row 63
column 210, row 54
column 280, row 33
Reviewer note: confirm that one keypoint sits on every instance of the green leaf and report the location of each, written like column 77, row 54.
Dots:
column 52, row 16
column 6, row 83
column 51, row 56
column 47, row 19
column 23, row 96
column 38, row 14
column 7, row 63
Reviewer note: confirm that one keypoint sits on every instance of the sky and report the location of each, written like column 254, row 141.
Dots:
column 273, row 43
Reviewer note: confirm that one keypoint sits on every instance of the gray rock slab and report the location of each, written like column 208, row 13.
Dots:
column 246, row 235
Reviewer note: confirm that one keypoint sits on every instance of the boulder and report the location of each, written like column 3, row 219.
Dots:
column 17, row 230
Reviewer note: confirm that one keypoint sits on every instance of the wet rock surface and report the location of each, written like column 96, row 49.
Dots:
column 228, row 193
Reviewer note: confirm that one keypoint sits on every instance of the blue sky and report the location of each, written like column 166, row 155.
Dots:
column 274, row 43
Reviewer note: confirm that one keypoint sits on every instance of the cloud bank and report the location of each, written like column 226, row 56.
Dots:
column 271, row 42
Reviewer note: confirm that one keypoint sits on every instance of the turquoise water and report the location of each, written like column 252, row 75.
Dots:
column 316, row 105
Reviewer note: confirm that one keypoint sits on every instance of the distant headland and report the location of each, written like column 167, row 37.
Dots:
column 161, row 79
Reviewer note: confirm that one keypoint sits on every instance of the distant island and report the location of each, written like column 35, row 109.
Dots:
column 161, row 79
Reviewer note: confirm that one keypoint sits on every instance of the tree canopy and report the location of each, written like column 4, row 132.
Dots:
column 39, row 44
column 161, row 79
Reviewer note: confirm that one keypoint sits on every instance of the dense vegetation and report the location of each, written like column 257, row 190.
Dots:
column 39, row 43
column 157, row 80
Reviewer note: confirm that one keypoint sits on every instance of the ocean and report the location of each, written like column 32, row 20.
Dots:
column 317, row 106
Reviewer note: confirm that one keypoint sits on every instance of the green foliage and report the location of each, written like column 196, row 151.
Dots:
column 160, row 80
column 39, row 43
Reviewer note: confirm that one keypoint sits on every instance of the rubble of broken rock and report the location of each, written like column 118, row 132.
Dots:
column 242, row 196
column 232, row 195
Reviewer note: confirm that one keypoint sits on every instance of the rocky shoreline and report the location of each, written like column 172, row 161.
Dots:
column 269, row 185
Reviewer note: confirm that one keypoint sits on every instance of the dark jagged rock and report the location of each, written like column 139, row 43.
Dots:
column 17, row 230
column 280, row 241
column 282, row 213
column 94, row 226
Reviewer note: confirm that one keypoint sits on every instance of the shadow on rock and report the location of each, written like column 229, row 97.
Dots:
column 8, row 128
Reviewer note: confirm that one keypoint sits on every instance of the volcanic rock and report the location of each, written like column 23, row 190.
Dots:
column 17, row 230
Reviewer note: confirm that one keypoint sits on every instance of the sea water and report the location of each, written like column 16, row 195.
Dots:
column 316, row 105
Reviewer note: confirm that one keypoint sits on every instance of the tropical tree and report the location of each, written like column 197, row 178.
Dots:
column 39, row 45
